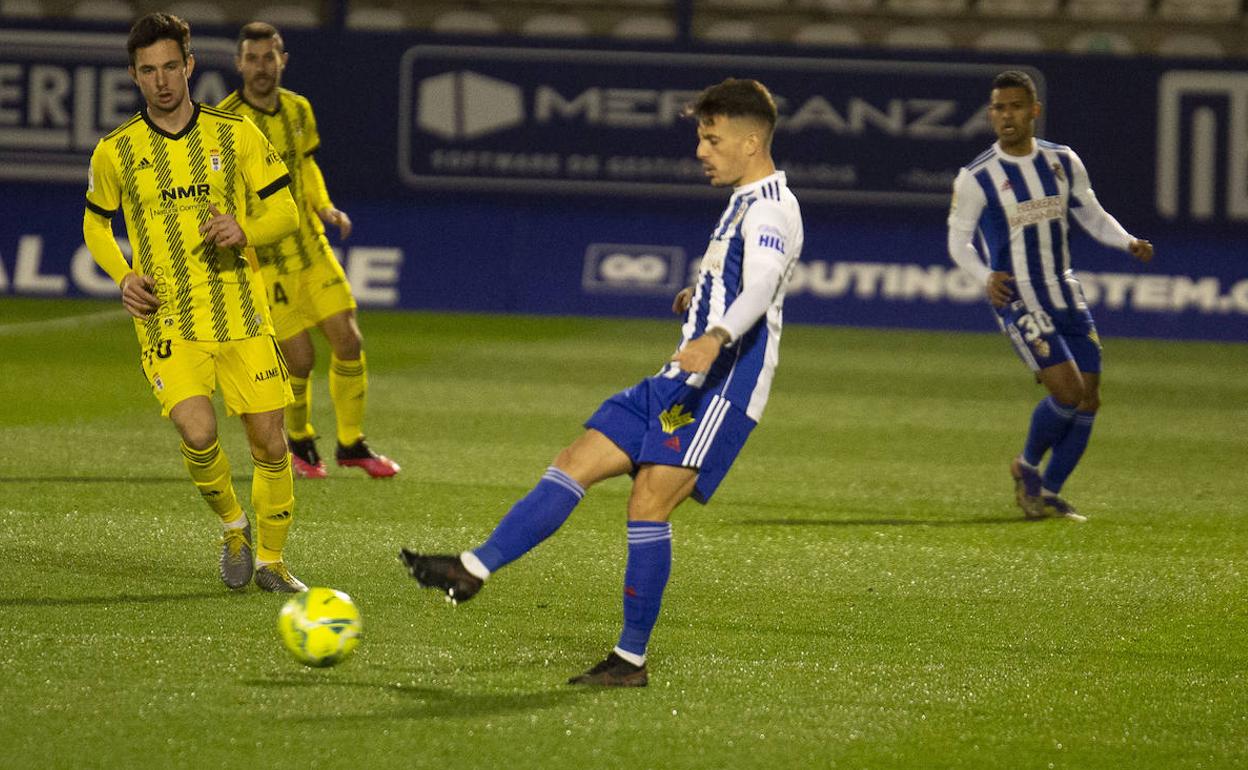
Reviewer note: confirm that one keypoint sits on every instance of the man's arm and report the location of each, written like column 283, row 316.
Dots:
column 318, row 198
column 1096, row 221
column 965, row 209
column 103, row 199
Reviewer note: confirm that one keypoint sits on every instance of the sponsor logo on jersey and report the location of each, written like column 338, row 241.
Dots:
column 770, row 238
column 143, row 165
column 177, row 192
column 673, row 443
column 1034, row 212
column 675, row 418
column 267, row 374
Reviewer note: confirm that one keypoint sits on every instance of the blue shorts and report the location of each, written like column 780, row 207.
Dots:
column 1042, row 339
column 660, row 421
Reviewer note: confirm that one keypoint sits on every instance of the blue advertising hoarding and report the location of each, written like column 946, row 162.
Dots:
column 563, row 181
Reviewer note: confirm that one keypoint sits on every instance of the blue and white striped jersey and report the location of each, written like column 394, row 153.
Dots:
column 740, row 287
column 1014, row 212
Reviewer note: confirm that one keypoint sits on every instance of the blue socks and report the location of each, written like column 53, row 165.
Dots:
column 1067, row 451
column 1049, row 423
column 645, row 577
column 531, row 520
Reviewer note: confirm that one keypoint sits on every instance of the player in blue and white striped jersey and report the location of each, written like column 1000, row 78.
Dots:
column 1012, row 208
column 679, row 431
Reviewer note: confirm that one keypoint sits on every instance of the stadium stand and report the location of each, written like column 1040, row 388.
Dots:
column 1189, row 45
column 22, row 9
column 202, row 11
column 102, row 10
column 368, row 18
column 828, row 34
column 466, row 23
column 555, row 25
column 1009, row 40
column 918, row 38
column 1175, row 28
column 1097, row 42
column 733, row 31
column 1117, row 10
column 289, row 15
column 1037, row 9
column 646, row 27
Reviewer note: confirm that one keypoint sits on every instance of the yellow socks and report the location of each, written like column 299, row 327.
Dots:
column 210, row 470
column 298, row 426
column 273, row 497
column 348, row 386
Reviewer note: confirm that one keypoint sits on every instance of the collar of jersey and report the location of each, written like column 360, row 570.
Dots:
column 185, row 129
column 242, row 98
column 1035, row 148
column 752, row 186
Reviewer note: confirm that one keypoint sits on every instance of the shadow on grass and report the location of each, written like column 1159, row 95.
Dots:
column 883, row 522
column 426, row 702
column 87, row 601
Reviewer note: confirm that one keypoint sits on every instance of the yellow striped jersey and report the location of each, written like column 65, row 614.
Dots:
column 164, row 184
column 291, row 128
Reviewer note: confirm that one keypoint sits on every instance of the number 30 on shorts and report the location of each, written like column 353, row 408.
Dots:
column 1034, row 324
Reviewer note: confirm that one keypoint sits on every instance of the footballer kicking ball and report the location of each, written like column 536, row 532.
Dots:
column 320, row 627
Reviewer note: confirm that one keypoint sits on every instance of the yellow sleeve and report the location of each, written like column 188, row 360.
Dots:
column 314, row 189
column 275, row 214
column 103, row 200
column 272, row 218
column 261, row 165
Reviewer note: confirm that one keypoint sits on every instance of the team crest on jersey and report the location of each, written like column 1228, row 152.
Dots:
column 675, row 418
column 1041, row 347
column 1059, row 172
column 214, row 159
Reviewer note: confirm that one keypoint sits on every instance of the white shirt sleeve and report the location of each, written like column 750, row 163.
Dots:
column 1089, row 213
column 767, row 243
column 964, row 213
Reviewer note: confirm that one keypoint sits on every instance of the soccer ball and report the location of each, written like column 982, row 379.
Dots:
column 320, row 627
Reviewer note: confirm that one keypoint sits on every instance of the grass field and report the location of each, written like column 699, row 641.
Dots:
column 861, row 593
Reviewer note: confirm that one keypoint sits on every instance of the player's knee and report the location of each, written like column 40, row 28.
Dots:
column 198, row 438
column 349, row 348
column 1091, row 402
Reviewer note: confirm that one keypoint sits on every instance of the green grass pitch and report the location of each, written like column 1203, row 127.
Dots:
column 862, row 592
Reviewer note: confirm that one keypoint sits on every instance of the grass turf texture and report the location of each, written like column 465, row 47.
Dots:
column 861, row 593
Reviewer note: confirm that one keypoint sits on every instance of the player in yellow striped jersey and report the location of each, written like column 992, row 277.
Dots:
column 306, row 286
column 184, row 175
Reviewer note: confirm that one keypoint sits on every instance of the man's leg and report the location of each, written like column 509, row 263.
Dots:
column 1069, row 449
column 300, row 357
column 657, row 490
column 209, row 469
column 535, row 517
column 1050, row 421
column 273, row 497
column 348, row 389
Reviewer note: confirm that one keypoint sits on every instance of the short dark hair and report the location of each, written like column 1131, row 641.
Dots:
column 735, row 98
column 260, row 30
column 159, row 26
column 1015, row 79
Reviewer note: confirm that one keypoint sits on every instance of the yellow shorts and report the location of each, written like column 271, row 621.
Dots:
column 302, row 299
column 252, row 373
